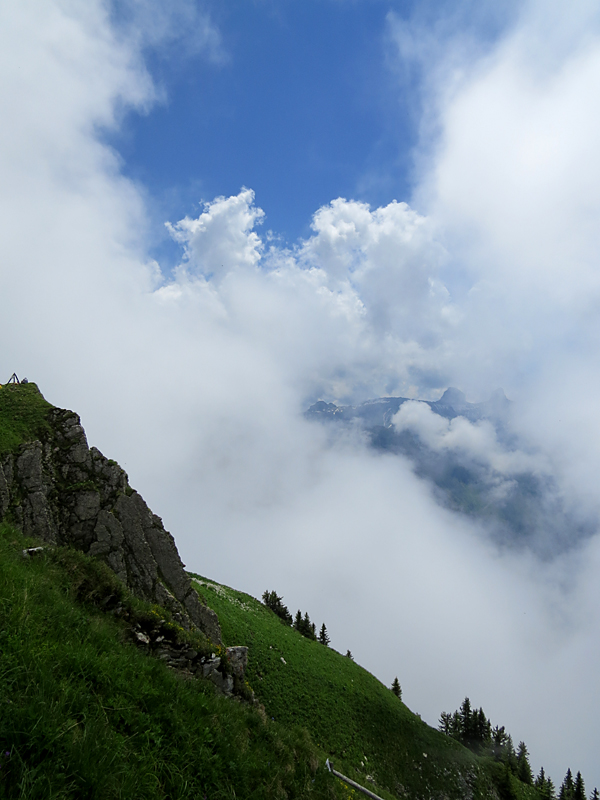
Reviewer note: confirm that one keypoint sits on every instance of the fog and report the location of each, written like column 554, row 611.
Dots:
column 196, row 379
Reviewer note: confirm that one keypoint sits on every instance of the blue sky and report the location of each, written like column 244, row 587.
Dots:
column 303, row 102
column 303, row 107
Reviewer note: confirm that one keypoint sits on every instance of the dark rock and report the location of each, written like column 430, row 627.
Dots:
column 61, row 491
column 238, row 660
column 224, row 683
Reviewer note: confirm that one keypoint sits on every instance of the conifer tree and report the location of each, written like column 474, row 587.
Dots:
column 509, row 756
column 498, row 742
column 396, row 688
column 594, row 795
column 306, row 626
column 465, row 721
column 523, row 767
column 579, row 793
column 504, row 783
column 324, row 636
column 541, row 779
column 456, row 726
column 544, row 786
column 445, row 725
column 273, row 601
column 482, row 729
column 567, row 789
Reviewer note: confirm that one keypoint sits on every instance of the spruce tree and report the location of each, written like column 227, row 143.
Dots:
column 298, row 621
column 482, row 729
column 445, row 725
column 523, row 768
column 594, row 795
column 306, row 625
column 505, row 783
column 498, row 742
column 509, row 756
column 396, row 688
column 540, row 784
column 544, row 786
column 540, row 781
column 465, row 722
column 324, row 636
column 567, row 789
column 456, row 726
column 273, row 601
column 579, row 793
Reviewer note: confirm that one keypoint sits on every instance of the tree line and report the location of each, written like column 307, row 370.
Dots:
column 301, row 622
column 471, row 727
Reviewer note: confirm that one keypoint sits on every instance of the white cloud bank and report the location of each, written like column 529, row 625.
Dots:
column 196, row 384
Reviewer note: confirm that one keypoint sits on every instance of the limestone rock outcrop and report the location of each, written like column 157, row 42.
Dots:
column 61, row 491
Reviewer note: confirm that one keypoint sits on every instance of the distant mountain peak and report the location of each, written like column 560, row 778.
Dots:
column 453, row 397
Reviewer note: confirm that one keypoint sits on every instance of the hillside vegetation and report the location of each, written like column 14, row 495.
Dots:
column 366, row 730
column 23, row 411
column 85, row 714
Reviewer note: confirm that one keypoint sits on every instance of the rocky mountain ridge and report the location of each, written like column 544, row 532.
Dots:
column 58, row 489
column 379, row 412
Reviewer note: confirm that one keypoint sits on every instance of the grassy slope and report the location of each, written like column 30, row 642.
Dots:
column 86, row 714
column 23, row 413
column 348, row 712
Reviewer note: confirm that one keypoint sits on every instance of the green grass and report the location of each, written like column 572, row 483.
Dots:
column 23, row 412
column 348, row 712
column 85, row 714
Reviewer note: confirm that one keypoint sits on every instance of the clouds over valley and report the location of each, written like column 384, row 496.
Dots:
column 196, row 377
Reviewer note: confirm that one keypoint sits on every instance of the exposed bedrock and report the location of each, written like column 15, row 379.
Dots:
column 66, row 493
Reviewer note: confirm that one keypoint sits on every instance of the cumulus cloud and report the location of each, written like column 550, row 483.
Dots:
column 390, row 256
column 196, row 382
column 358, row 305
column 222, row 238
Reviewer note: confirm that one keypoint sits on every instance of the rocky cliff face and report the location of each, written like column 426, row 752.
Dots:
column 61, row 491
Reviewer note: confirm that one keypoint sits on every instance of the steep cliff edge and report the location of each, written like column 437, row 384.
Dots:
column 54, row 487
